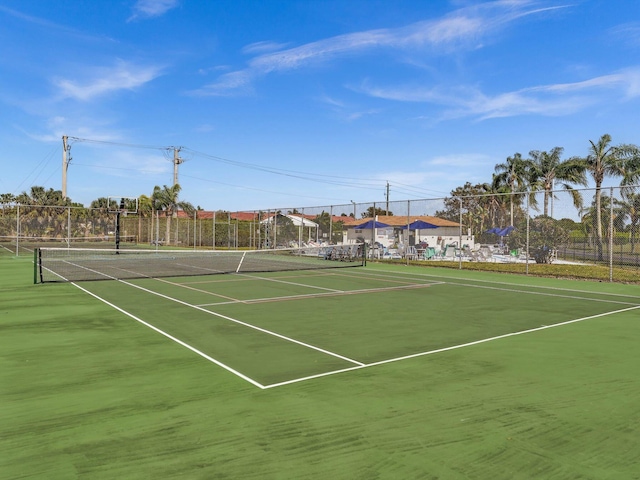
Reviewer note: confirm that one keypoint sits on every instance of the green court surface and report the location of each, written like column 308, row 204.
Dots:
column 358, row 373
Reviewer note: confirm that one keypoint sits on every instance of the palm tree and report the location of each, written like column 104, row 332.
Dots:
column 166, row 199
column 605, row 160
column 145, row 206
column 628, row 208
column 103, row 203
column 546, row 168
column 6, row 199
column 494, row 201
column 512, row 173
column 145, row 210
column 590, row 216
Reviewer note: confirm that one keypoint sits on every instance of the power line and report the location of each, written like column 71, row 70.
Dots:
column 368, row 183
column 40, row 168
column 327, row 179
column 119, row 144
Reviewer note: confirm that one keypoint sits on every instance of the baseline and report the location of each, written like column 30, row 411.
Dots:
column 446, row 349
column 517, row 290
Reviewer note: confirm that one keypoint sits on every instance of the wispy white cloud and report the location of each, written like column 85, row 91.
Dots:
column 459, row 160
column 100, row 81
column 262, row 47
column 438, row 175
column 53, row 128
column 121, row 163
column 550, row 100
column 364, row 113
column 51, row 26
column 627, row 81
column 331, row 101
column 396, row 177
column 462, row 29
column 232, row 83
column 346, row 111
column 152, row 8
column 628, row 33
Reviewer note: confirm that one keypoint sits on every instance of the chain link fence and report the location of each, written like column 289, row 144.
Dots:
column 584, row 229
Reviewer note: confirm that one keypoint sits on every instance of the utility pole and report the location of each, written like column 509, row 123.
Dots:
column 387, row 195
column 176, row 161
column 66, row 159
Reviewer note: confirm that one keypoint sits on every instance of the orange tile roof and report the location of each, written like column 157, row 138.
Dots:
column 402, row 220
column 391, row 220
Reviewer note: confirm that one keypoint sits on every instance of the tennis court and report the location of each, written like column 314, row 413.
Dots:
column 382, row 371
column 277, row 328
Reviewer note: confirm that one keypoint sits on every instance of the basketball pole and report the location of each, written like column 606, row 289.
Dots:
column 118, row 226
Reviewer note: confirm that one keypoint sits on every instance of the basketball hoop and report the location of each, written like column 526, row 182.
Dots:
column 120, row 206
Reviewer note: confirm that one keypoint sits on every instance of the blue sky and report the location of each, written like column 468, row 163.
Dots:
column 306, row 103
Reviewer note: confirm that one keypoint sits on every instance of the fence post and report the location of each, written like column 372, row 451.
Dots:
column 17, row 230
column 330, row 224
column 157, row 228
column 611, row 234
column 68, row 227
column 406, row 248
column 301, row 229
column 460, row 235
column 527, row 245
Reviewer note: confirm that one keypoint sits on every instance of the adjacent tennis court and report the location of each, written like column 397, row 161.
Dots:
column 278, row 328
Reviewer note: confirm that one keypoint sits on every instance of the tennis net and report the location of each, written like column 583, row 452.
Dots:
column 77, row 264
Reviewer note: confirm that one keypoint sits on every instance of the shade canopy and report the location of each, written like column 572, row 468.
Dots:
column 503, row 232
column 297, row 221
column 419, row 225
column 371, row 224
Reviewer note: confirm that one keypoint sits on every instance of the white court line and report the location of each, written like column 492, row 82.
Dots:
column 232, row 300
column 245, row 324
column 199, row 290
column 296, row 284
column 358, row 365
column 526, row 292
column 445, row 349
column 283, row 337
column 384, row 273
column 171, row 337
column 337, row 293
column 8, row 249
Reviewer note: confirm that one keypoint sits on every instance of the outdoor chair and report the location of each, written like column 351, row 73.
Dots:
column 450, row 253
column 472, row 255
column 487, row 254
column 429, row 253
column 411, row 253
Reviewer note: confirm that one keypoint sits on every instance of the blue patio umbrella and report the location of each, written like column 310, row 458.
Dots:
column 503, row 232
column 419, row 225
column 371, row 224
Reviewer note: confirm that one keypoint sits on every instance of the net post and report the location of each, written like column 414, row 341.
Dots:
column 36, row 266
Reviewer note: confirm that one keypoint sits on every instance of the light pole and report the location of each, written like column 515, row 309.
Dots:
column 354, row 208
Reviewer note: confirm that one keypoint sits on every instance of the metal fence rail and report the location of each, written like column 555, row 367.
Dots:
column 582, row 227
